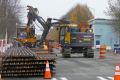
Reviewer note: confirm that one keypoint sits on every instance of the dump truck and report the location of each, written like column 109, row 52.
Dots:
column 76, row 39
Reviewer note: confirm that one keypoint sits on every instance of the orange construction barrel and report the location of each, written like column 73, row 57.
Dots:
column 102, row 51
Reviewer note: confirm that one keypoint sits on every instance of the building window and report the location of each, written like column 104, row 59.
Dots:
column 97, row 36
column 97, row 42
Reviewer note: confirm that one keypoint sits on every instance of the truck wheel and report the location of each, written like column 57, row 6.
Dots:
column 90, row 53
column 66, row 55
column 63, row 55
column 85, row 55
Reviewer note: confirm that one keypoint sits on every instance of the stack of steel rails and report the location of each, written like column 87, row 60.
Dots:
column 22, row 62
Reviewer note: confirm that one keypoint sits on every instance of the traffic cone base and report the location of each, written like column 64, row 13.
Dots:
column 116, row 77
column 102, row 57
column 47, row 74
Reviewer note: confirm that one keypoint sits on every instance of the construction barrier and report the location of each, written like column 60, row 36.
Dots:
column 117, row 72
column 5, row 47
column 1, row 46
column 0, row 77
column 102, row 51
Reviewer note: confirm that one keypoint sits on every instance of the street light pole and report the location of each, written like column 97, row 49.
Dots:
column 16, row 29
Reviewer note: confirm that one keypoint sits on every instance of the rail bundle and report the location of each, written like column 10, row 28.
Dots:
column 22, row 62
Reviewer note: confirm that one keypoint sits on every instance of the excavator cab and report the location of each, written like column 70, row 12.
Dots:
column 26, row 37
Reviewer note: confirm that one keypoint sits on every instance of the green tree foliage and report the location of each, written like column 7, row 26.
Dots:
column 9, row 16
column 79, row 13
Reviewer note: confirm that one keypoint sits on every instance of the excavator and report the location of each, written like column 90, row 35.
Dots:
column 26, row 36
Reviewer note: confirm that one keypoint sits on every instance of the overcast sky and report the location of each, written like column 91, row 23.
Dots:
column 57, row 8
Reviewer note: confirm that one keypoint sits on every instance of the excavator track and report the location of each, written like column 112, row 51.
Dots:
column 23, row 62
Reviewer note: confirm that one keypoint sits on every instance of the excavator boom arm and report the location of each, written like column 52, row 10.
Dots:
column 32, row 16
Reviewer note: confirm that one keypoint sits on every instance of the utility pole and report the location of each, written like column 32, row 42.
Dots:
column 6, row 37
column 16, row 29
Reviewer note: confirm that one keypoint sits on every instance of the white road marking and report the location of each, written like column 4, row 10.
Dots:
column 54, row 79
column 63, row 78
column 101, row 78
column 110, row 78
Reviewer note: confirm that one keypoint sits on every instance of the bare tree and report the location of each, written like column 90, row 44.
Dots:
column 114, row 12
column 9, row 16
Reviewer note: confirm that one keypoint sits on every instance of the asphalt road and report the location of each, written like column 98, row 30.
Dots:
column 79, row 68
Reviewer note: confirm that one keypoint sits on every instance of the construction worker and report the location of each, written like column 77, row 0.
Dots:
column 67, row 36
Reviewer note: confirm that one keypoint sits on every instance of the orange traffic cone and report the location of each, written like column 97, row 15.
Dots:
column 117, row 72
column 47, row 74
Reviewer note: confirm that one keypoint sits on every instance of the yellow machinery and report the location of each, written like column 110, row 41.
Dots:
column 31, row 38
column 26, row 36
column 77, row 39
